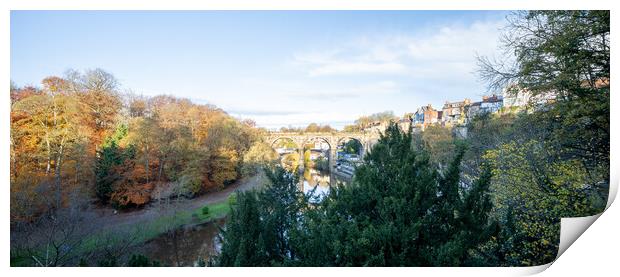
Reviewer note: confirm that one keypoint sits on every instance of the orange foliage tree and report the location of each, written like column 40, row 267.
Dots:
column 61, row 135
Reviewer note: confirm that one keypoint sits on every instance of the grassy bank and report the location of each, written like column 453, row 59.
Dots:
column 144, row 232
column 184, row 218
column 163, row 224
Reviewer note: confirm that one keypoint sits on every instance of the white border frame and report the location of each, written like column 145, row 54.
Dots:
column 594, row 253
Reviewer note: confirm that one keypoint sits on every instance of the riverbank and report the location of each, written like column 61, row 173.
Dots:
column 157, row 218
column 126, row 230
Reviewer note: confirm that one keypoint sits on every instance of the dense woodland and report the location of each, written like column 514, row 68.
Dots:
column 494, row 198
column 77, row 137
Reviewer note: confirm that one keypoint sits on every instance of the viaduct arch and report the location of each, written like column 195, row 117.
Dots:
column 332, row 139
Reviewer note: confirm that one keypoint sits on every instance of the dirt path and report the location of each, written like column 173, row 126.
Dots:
column 109, row 220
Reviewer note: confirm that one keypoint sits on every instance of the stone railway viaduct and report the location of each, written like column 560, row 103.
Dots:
column 367, row 140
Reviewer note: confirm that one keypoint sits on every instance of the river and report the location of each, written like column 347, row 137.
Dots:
column 188, row 247
column 200, row 242
column 320, row 182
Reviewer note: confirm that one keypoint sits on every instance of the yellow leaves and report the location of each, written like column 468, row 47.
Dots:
column 541, row 189
column 260, row 152
column 223, row 167
column 438, row 140
column 291, row 161
column 229, row 154
column 570, row 173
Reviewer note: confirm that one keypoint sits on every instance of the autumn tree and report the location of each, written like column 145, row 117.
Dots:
column 313, row 128
column 366, row 121
column 198, row 146
column 326, row 129
column 440, row 144
column 97, row 89
column 258, row 156
column 54, row 121
column 352, row 128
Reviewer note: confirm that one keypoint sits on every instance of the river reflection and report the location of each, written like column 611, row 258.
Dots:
column 188, row 247
column 316, row 183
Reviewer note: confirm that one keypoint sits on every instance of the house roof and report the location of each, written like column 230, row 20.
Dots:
column 456, row 104
column 492, row 98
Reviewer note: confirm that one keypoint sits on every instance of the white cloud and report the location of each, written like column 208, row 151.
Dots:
column 341, row 62
column 306, row 89
column 456, row 44
column 360, row 90
column 443, row 52
column 347, row 67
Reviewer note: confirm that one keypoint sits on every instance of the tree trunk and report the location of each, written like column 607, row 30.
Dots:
column 49, row 155
column 146, row 154
column 77, row 171
column 161, row 167
column 57, row 178
column 13, row 159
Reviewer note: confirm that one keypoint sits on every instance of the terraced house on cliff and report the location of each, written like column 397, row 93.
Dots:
column 426, row 116
column 454, row 113
column 460, row 113
column 489, row 104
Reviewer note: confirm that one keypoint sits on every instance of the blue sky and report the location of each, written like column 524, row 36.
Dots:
column 279, row 68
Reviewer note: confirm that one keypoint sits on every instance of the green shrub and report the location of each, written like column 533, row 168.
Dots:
column 232, row 199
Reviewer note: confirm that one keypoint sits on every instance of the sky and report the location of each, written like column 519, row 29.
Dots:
column 279, row 68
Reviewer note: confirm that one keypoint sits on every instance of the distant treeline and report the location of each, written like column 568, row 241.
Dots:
column 311, row 128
